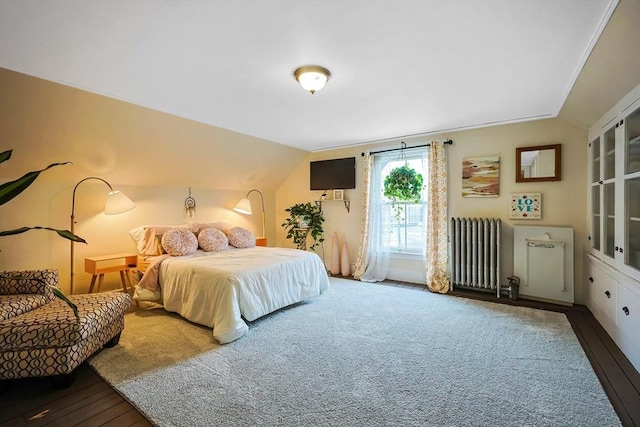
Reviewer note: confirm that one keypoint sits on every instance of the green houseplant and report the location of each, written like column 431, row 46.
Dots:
column 403, row 184
column 10, row 190
column 304, row 219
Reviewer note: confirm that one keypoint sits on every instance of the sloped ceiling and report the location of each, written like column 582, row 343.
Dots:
column 398, row 67
column 612, row 70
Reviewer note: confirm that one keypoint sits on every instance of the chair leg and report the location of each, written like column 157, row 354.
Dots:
column 59, row 382
column 113, row 341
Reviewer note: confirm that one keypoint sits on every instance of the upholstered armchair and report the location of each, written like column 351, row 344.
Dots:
column 41, row 336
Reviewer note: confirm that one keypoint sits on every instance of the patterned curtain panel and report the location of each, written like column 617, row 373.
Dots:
column 373, row 258
column 359, row 267
column 436, row 245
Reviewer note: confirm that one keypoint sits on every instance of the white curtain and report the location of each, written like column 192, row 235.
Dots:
column 372, row 264
column 436, row 245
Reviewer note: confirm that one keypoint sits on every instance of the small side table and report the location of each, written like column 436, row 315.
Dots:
column 98, row 266
column 261, row 241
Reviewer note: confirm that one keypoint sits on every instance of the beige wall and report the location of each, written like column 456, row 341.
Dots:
column 563, row 203
column 151, row 156
column 154, row 157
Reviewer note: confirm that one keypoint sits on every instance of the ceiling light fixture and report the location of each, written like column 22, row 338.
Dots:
column 312, row 77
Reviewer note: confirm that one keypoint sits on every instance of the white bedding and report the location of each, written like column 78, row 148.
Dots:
column 217, row 289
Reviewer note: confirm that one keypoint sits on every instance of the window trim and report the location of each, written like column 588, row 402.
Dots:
column 407, row 155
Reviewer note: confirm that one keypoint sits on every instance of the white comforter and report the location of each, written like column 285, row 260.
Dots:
column 216, row 289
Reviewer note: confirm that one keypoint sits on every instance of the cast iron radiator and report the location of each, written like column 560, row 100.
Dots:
column 475, row 253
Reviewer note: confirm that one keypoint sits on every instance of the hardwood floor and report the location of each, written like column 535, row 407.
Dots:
column 90, row 401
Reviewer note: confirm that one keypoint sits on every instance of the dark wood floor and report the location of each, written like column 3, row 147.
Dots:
column 90, row 401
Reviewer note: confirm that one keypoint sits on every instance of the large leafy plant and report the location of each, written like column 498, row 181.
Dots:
column 10, row 190
column 304, row 219
column 403, row 184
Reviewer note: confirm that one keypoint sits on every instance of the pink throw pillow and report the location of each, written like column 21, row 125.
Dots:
column 241, row 237
column 212, row 240
column 179, row 242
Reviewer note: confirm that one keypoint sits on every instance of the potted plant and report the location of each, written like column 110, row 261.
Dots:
column 11, row 189
column 403, row 184
column 304, row 219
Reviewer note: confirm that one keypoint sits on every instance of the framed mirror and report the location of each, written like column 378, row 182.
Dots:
column 539, row 163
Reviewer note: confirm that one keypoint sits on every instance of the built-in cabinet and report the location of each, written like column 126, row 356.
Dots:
column 614, row 220
column 614, row 299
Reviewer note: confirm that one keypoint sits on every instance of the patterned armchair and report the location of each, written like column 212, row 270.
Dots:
column 41, row 336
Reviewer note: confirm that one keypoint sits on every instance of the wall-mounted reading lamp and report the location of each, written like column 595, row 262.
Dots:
column 116, row 203
column 244, row 207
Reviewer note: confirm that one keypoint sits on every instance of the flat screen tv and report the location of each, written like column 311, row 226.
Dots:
column 333, row 174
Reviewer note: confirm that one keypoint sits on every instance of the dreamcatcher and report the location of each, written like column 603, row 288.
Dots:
column 190, row 206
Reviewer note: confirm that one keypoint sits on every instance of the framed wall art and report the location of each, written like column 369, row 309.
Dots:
column 481, row 177
column 526, row 206
column 338, row 194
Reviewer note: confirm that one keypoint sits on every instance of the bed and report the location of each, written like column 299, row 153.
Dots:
column 222, row 289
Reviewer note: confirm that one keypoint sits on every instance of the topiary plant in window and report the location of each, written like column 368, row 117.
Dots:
column 304, row 219
column 403, row 184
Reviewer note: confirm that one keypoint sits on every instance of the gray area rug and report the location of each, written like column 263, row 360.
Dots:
column 362, row 355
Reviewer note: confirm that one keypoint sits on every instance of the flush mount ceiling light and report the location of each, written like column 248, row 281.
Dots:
column 312, row 77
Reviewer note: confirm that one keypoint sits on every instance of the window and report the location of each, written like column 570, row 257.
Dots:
column 403, row 229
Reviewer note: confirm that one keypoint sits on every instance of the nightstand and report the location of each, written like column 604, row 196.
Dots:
column 261, row 241
column 98, row 266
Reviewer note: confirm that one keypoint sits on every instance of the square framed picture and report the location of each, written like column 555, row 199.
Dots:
column 338, row 194
column 526, row 206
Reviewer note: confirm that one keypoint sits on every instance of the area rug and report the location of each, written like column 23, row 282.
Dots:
column 362, row 355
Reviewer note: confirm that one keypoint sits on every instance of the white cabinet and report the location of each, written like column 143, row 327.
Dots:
column 614, row 186
column 628, row 321
column 603, row 291
column 614, row 299
column 614, row 224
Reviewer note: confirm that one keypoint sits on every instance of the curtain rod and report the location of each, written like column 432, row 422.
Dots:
column 404, row 147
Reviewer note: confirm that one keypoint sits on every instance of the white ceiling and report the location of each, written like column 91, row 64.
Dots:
column 398, row 67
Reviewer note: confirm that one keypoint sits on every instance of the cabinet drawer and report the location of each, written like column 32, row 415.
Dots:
column 628, row 311
column 602, row 291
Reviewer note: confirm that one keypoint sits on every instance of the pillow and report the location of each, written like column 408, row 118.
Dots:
column 179, row 242
column 146, row 237
column 241, row 237
column 29, row 282
column 212, row 239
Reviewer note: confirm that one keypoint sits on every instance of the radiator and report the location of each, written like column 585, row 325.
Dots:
column 475, row 253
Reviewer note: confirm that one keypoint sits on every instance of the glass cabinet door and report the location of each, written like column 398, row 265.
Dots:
column 596, row 218
column 610, row 219
column 632, row 190
column 610, row 153
column 633, row 142
column 595, row 162
column 613, row 186
column 633, row 223
column 609, row 191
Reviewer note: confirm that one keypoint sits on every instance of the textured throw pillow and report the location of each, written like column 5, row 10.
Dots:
column 241, row 237
column 212, row 239
column 179, row 242
column 148, row 237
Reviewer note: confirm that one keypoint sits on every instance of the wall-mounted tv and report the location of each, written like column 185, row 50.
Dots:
column 333, row 174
